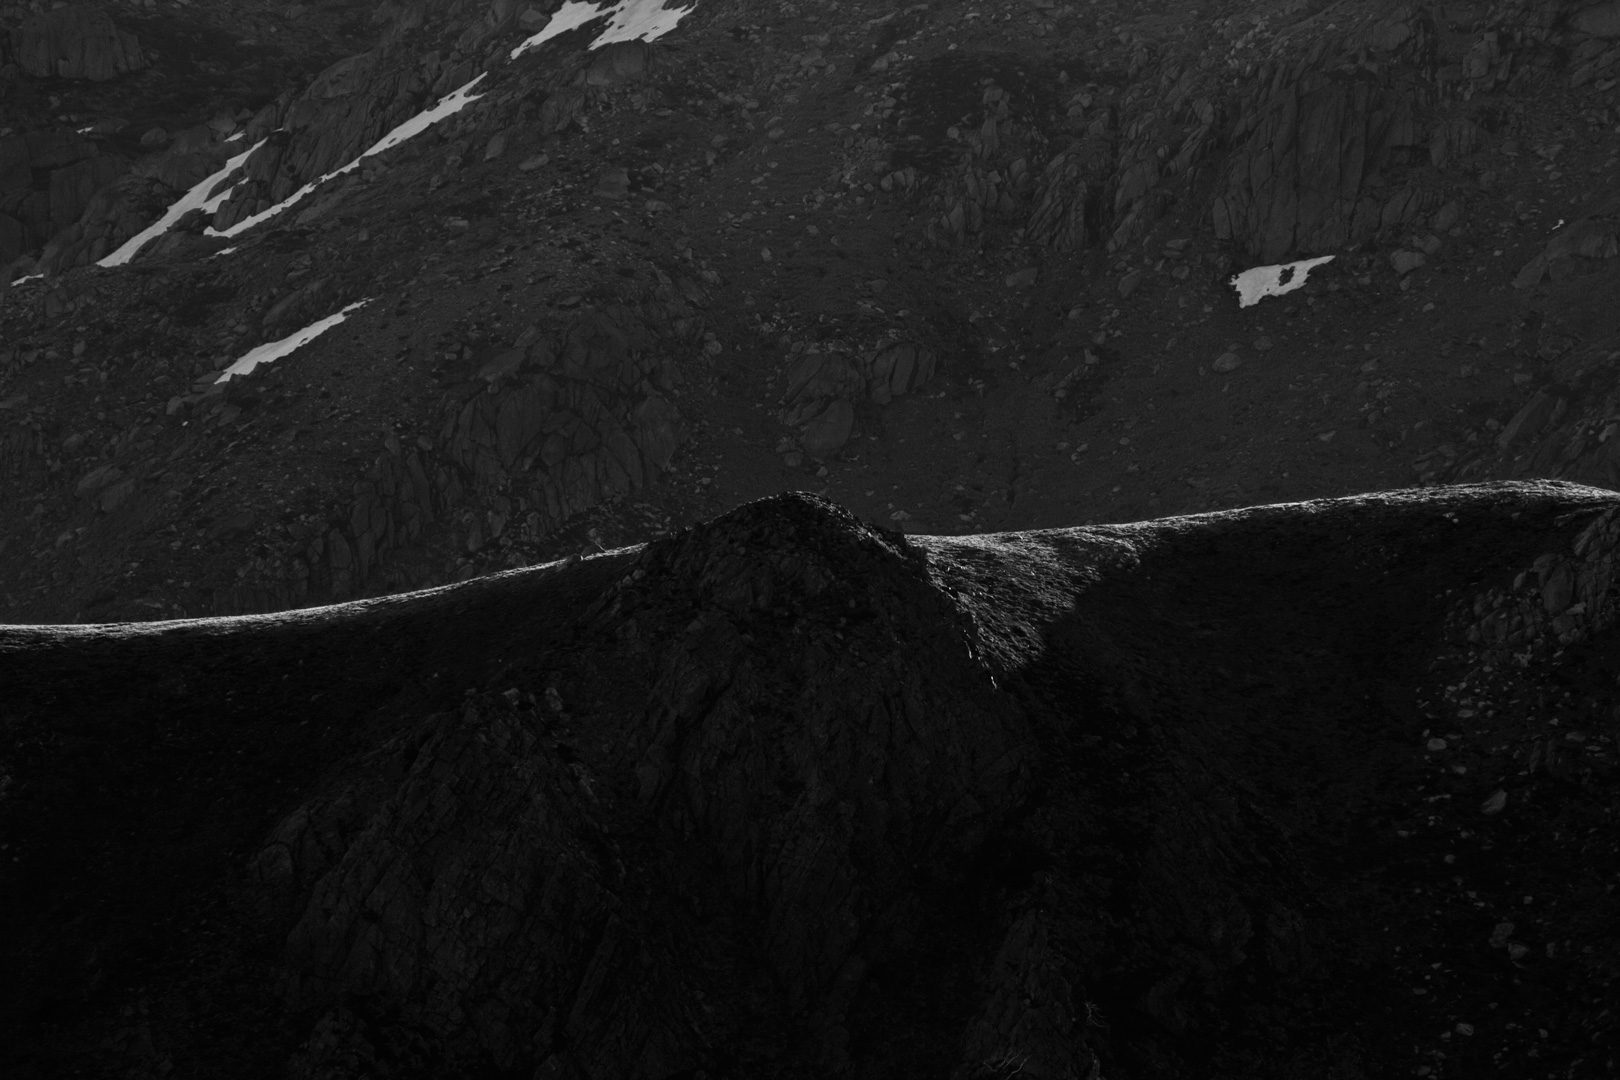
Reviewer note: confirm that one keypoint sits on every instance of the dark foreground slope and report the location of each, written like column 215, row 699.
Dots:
column 1309, row 790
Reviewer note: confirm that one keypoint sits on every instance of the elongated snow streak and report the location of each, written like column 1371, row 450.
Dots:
column 275, row 350
column 447, row 106
column 632, row 20
column 1262, row 281
column 198, row 198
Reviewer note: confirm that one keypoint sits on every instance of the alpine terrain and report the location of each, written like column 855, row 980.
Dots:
column 1066, row 539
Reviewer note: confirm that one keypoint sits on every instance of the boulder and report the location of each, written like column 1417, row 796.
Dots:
column 615, row 64
column 828, row 432
column 1599, row 20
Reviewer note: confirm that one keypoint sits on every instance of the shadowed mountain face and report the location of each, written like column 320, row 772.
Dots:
column 1320, row 789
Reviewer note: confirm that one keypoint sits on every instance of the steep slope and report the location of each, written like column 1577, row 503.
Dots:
column 957, row 269
column 1313, row 790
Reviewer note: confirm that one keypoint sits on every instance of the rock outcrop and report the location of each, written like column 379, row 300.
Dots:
column 78, row 41
column 788, row 793
column 47, row 180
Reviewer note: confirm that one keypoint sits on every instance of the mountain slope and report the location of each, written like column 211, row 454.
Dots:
column 630, row 285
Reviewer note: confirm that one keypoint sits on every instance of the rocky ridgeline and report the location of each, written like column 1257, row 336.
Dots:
column 920, row 780
column 791, row 794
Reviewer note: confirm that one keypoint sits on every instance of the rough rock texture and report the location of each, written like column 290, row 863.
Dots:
column 47, row 179
column 76, row 41
column 788, row 794
column 1011, row 225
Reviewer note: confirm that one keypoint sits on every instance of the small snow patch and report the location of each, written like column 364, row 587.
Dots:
column 1262, row 281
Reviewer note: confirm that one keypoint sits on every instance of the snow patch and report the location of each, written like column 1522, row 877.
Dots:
column 446, row 106
column 632, row 20
column 1262, row 281
column 197, row 198
column 275, row 350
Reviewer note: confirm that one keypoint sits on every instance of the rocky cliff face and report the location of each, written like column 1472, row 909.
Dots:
column 787, row 794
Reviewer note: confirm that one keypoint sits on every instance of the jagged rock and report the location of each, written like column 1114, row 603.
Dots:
column 1404, row 262
column 76, row 41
